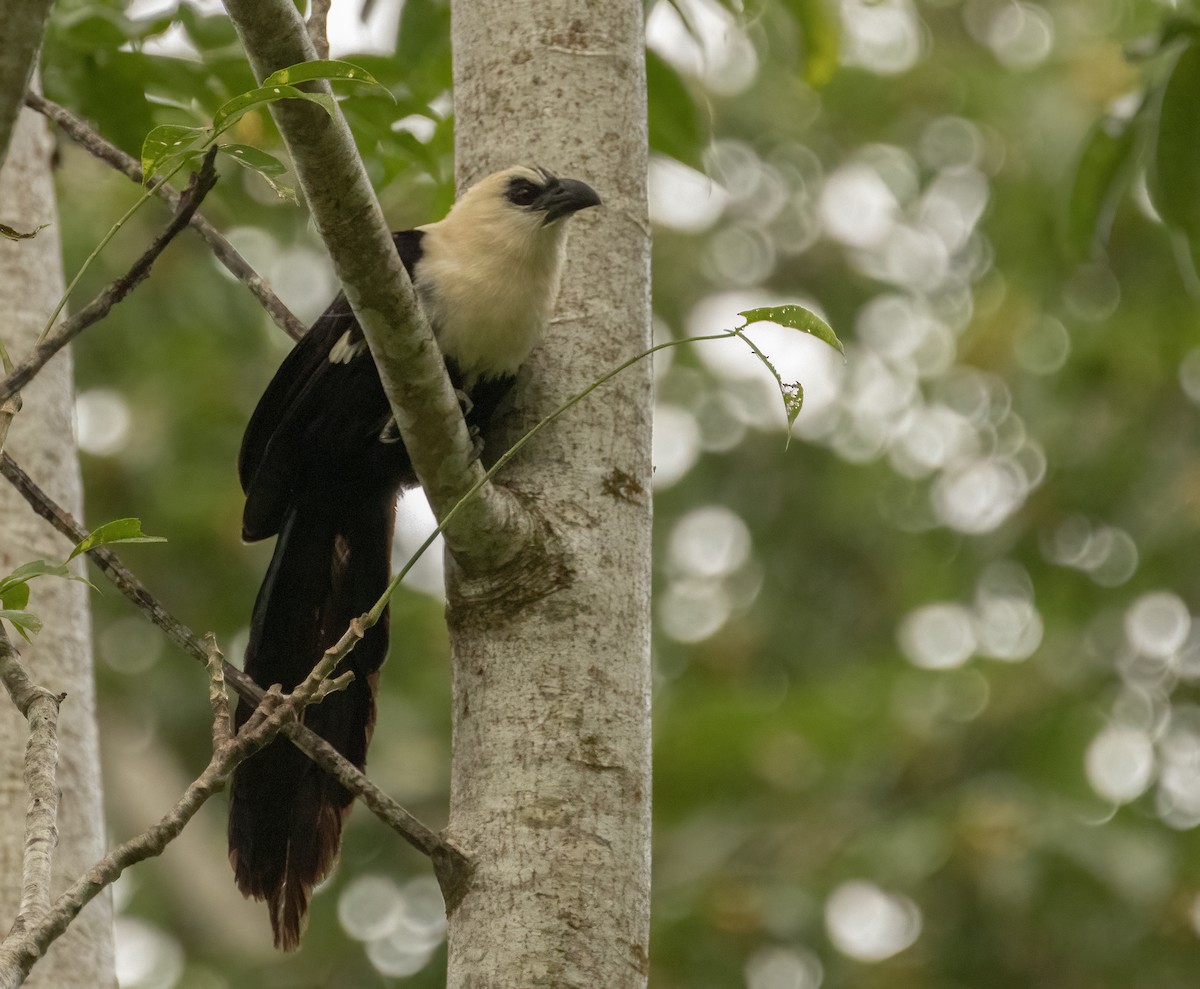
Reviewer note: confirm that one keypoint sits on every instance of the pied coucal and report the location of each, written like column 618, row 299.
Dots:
column 322, row 464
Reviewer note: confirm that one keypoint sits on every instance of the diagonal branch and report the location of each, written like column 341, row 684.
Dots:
column 318, row 26
column 225, row 252
column 493, row 527
column 100, row 306
column 28, row 941
column 449, row 862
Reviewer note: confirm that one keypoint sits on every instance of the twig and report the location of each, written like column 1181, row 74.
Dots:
column 100, row 306
column 225, row 252
column 22, row 948
column 40, row 707
column 447, row 859
column 8, row 408
column 222, row 724
column 318, row 26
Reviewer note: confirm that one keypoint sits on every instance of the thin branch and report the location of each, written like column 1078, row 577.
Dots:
column 222, row 722
column 312, row 745
column 87, row 138
column 100, row 306
column 8, row 408
column 22, row 948
column 318, row 26
column 40, row 707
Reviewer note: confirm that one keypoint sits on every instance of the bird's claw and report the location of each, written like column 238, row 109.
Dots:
column 464, row 401
column 476, row 443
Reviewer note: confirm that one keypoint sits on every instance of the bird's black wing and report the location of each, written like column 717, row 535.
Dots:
column 320, row 416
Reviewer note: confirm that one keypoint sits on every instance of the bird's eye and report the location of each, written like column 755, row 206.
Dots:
column 522, row 192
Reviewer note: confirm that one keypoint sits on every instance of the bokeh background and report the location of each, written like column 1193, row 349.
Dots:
column 926, row 678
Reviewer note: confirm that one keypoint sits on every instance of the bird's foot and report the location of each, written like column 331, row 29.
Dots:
column 390, row 432
column 464, row 401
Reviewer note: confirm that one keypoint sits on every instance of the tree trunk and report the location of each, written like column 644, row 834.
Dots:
column 22, row 23
column 41, row 440
column 551, row 771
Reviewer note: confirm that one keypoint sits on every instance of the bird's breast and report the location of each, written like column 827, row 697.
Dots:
column 488, row 314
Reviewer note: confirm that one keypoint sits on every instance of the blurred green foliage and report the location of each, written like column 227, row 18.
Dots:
column 926, row 708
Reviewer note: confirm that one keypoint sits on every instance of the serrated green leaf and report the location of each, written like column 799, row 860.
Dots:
column 1175, row 180
column 25, row 622
column 332, row 69
column 232, row 110
column 168, row 143
column 1104, row 173
column 111, row 533
column 11, row 234
column 796, row 318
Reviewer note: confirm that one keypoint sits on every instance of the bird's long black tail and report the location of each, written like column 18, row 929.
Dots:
column 331, row 564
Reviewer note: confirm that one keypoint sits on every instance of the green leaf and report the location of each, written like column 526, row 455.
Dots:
column 169, row 143
column 1105, row 171
column 111, row 533
column 208, row 33
column 793, row 399
column 94, row 27
column 266, row 165
column 820, row 38
column 677, row 128
column 11, row 234
column 25, row 622
column 796, row 318
column 423, row 46
column 791, row 392
column 26, row 572
column 232, row 110
column 255, row 158
column 1175, row 185
column 14, row 589
column 329, row 68
column 15, row 596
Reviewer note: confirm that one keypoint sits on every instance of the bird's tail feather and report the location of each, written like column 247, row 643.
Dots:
column 330, row 565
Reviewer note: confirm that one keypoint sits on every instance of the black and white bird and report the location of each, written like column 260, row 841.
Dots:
column 322, row 463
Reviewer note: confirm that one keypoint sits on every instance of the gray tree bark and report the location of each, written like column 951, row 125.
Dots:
column 22, row 23
column 41, row 439
column 551, row 771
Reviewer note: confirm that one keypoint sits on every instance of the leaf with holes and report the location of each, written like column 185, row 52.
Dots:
column 167, row 145
column 329, row 68
column 796, row 318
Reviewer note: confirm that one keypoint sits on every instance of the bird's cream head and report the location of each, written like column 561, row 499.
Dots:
column 522, row 207
column 491, row 269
